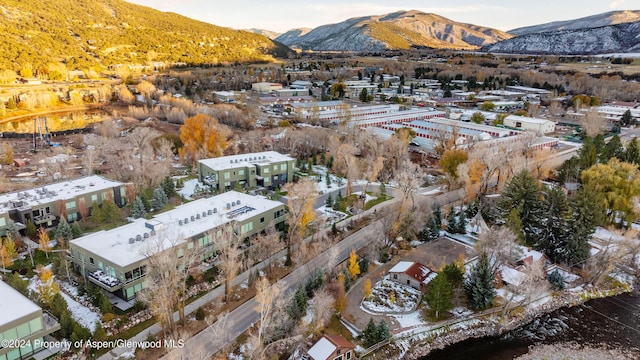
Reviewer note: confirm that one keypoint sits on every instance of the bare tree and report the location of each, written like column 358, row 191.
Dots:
column 501, row 244
column 266, row 295
column 408, row 179
column 534, row 284
column 266, row 245
column 592, row 122
column 226, row 243
column 300, row 199
column 322, row 310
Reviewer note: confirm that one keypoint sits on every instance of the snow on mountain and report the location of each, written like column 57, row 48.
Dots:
column 598, row 20
column 620, row 38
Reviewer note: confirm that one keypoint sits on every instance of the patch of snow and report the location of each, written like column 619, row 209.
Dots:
column 190, row 187
column 82, row 314
column 411, row 319
column 406, row 298
column 460, row 311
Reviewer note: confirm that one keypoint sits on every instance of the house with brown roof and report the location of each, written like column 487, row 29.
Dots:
column 411, row 273
column 331, row 347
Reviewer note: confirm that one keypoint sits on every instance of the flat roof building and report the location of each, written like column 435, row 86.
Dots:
column 268, row 169
column 541, row 126
column 21, row 319
column 116, row 259
column 43, row 205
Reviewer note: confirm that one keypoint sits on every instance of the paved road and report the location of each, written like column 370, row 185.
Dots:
column 209, row 341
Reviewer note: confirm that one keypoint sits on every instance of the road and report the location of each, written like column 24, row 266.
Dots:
column 209, row 341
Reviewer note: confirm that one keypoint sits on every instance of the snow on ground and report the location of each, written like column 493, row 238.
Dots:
column 604, row 234
column 321, row 185
column 367, row 198
column 540, row 302
column 380, row 301
column 435, row 191
column 461, row 311
column 411, row 319
column 189, row 188
column 330, row 214
column 506, row 294
column 82, row 314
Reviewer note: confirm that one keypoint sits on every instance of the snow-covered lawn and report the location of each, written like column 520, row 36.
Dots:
column 330, row 214
column 411, row 319
column 83, row 315
column 190, row 187
column 381, row 300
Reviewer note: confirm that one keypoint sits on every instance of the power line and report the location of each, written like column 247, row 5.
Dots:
column 612, row 319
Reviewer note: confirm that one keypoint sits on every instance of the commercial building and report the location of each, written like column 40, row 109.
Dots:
column 116, row 260
column 23, row 321
column 267, row 169
column 44, row 205
column 265, row 87
column 541, row 126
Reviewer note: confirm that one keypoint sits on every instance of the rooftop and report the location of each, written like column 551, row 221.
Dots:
column 244, row 160
column 527, row 119
column 53, row 192
column 130, row 243
column 14, row 304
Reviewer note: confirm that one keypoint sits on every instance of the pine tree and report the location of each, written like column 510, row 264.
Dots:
column 439, row 295
column 437, row 215
column 613, row 149
column 626, row 118
column 159, row 200
column 96, row 213
column 76, row 230
column 556, row 280
column 586, row 214
column 168, row 186
column 329, row 201
column 138, row 210
column 382, row 332
column 299, row 305
column 31, row 229
column 64, row 231
column 479, row 284
column 370, row 333
column 454, row 273
column 461, row 224
column 551, row 228
column 434, row 230
column 452, row 222
column 523, row 196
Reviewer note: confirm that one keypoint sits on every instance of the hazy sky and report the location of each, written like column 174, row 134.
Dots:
column 283, row 15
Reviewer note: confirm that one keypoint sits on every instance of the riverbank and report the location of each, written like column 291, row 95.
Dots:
column 417, row 344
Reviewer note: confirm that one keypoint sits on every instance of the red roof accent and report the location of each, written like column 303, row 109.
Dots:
column 418, row 271
column 339, row 341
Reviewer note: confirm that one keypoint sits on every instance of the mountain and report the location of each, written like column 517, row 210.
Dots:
column 88, row 33
column 618, row 38
column 268, row 33
column 398, row 30
column 598, row 20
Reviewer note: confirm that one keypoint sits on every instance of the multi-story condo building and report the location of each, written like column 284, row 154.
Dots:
column 267, row 169
column 116, row 260
column 23, row 324
column 43, row 205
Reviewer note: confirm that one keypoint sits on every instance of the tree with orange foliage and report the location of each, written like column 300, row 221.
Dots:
column 341, row 297
column 202, row 137
column 43, row 239
column 46, row 287
column 367, row 288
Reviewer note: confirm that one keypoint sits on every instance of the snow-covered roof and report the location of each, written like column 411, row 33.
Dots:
column 14, row 304
column 130, row 243
column 322, row 349
column 58, row 191
column 511, row 275
column 401, row 267
column 526, row 119
column 528, row 252
column 244, row 160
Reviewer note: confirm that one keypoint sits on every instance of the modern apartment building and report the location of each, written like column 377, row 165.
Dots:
column 43, row 205
column 267, row 169
column 116, row 260
column 22, row 321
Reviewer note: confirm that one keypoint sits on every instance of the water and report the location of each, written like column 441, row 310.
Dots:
column 614, row 321
column 55, row 122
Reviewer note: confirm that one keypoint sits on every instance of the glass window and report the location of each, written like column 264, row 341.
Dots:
column 130, row 292
column 72, row 217
column 71, row 204
column 23, row 330
column 190, row 245
column 241, row 172
column 266, row 170
column 3, row 221
column 10, row 334
column 35, row 325
column 227, row 175
column 180, row 253
column 94, row 198
column 261, row 219
column 14, row 354
column 283, row 167
column 91, row 260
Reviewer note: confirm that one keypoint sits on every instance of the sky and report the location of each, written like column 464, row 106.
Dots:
column 283, row 15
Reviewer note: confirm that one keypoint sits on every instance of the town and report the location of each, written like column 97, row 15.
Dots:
column 322, row 206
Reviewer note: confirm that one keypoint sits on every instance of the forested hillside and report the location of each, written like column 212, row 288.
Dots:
column 88, row 33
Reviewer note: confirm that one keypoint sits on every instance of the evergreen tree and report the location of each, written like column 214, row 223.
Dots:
column 522, row 198
column 454, row 274
column 588, row 153
column 370, row 333
column 63, row 230
column 439, row 294
column 632, row 152
column 168, row 186
column 461, row 224
column 329, row 201
column 452, row 222
column 138, row 210
column 31, row 229
column 298, row 307
column 96, row 212
column 586, row 214
column 626, row 118
column 76, row 230
column 479, row 284
column 434, row 230
column 437, row 215
column 109, row 212
column 382, row 332
column 556, row 281
column 613, row 149
column 159, row 200
column 552, row 225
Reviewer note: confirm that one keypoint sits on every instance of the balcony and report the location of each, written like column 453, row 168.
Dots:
column 43, row 219
column 105, row 281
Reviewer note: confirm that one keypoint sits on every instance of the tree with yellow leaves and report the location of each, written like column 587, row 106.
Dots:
column 43, row 239
column 353, row 269
column 5, row 258
column 202, row 137
column 367, row 288
column 300, row 199
column 341, row 296
column 46, row 287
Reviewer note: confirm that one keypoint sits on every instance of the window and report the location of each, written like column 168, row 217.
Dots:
column 275, row 177
column 35, row 325
column 395, row 276
column 266, row 170
column 227, row 175
column 246, row 227
column 241, row 172
column 94, row 198
column 348, row 355
column 72, row 217
column 261, row 220
column 71, row 205
column 3, row 221
column 408, row 282
column 23, row 330
column 91, row 260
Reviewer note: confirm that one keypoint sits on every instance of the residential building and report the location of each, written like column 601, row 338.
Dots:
column 331, row 347
column 22, row 320
column 540, row 126
column 531, row 92
column 412, row 274
column 265, row 87
column 267, row 169
column 116, row 260
column 45, row 204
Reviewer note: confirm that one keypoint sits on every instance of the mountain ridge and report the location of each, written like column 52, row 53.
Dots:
column 397, row 30
column 592, row 21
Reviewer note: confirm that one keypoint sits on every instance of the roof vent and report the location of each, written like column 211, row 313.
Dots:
column 185, row 221
column 228, row 206
column 146, row 235
column 132, row 240
column 209, row 212
column 179, row 222
column 215, row 210
column 233, row 203
column 193, row 218
column 231, row 161
column 197, row 216
column 138, row 237
column 238, row 202
column 153, row 233
column 204, row 213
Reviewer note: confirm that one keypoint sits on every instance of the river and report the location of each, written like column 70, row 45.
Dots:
column 614, row 321
column 55, row 122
